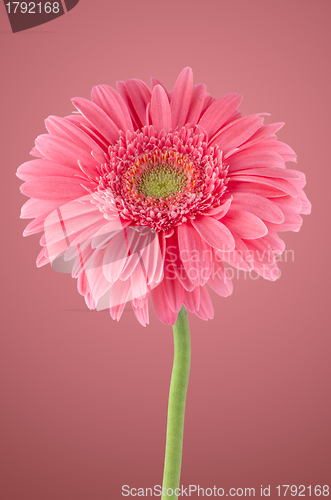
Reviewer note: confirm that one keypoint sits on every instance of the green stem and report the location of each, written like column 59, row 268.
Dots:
column 176, row 406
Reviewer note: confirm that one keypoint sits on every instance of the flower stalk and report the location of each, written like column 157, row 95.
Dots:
column 176, row 406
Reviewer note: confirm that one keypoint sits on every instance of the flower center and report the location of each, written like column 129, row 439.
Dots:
column 161, row 180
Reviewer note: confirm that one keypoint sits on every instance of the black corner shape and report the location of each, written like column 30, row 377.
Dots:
column 25, row 15
column 70, row 4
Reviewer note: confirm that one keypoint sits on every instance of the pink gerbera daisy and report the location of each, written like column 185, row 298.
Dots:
column 147, row 192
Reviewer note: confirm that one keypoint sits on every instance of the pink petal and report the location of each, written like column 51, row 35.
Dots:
column 182, row 276
column 97, row 281
column 260, row 251
column 306, row 205
column 84, row 289
column 135, row 245
column 81, row 122
column 139, row 287
column 160, row 110
column 214, row 233
column 280, row 173
column 279, row 184
column 206, row 310
column 194, row 253
column 235, row 115
column 218, row 112
column 161, row 306
column 119, row 294
column 34, row 208
column 174, row 264
column 299, row 181
column 58, row 227
column 174, row 292
column 151, row 258
column 36, row 225
column 262, row 133
column 274, row 241
column 61, row 127
column 219, row 280
column 239, row 257
column 237, row 133
column 42, row 258
column 117, row 311
column 55, row 250
column 136, row 95
column 267, row 271
column 207, row 102
column 245, row 224
column 54, row 188
column 254, row 188
column 148, row 115
column 85, row 235
column 98, row 118
column 116, row 255
column 292, row 222
column 284, row 150
column 112, row 103
column 43, row 168
column 197, row 100
column 105, row 233
column 146, row 256
column 259, row 206
column 156, row 81
column 192, row 299
column 288, row 204
column 253, row 158
column 181, row 98
column 35, row 152
column 65, row 152
column 141, row 313
column 85, row 253
column 219, row 212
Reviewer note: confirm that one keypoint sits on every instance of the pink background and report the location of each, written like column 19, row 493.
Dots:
column 83, row 398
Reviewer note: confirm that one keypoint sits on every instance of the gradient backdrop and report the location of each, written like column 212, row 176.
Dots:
column 83, row 398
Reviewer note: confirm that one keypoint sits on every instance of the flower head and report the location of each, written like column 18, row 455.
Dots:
column 150, row 193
